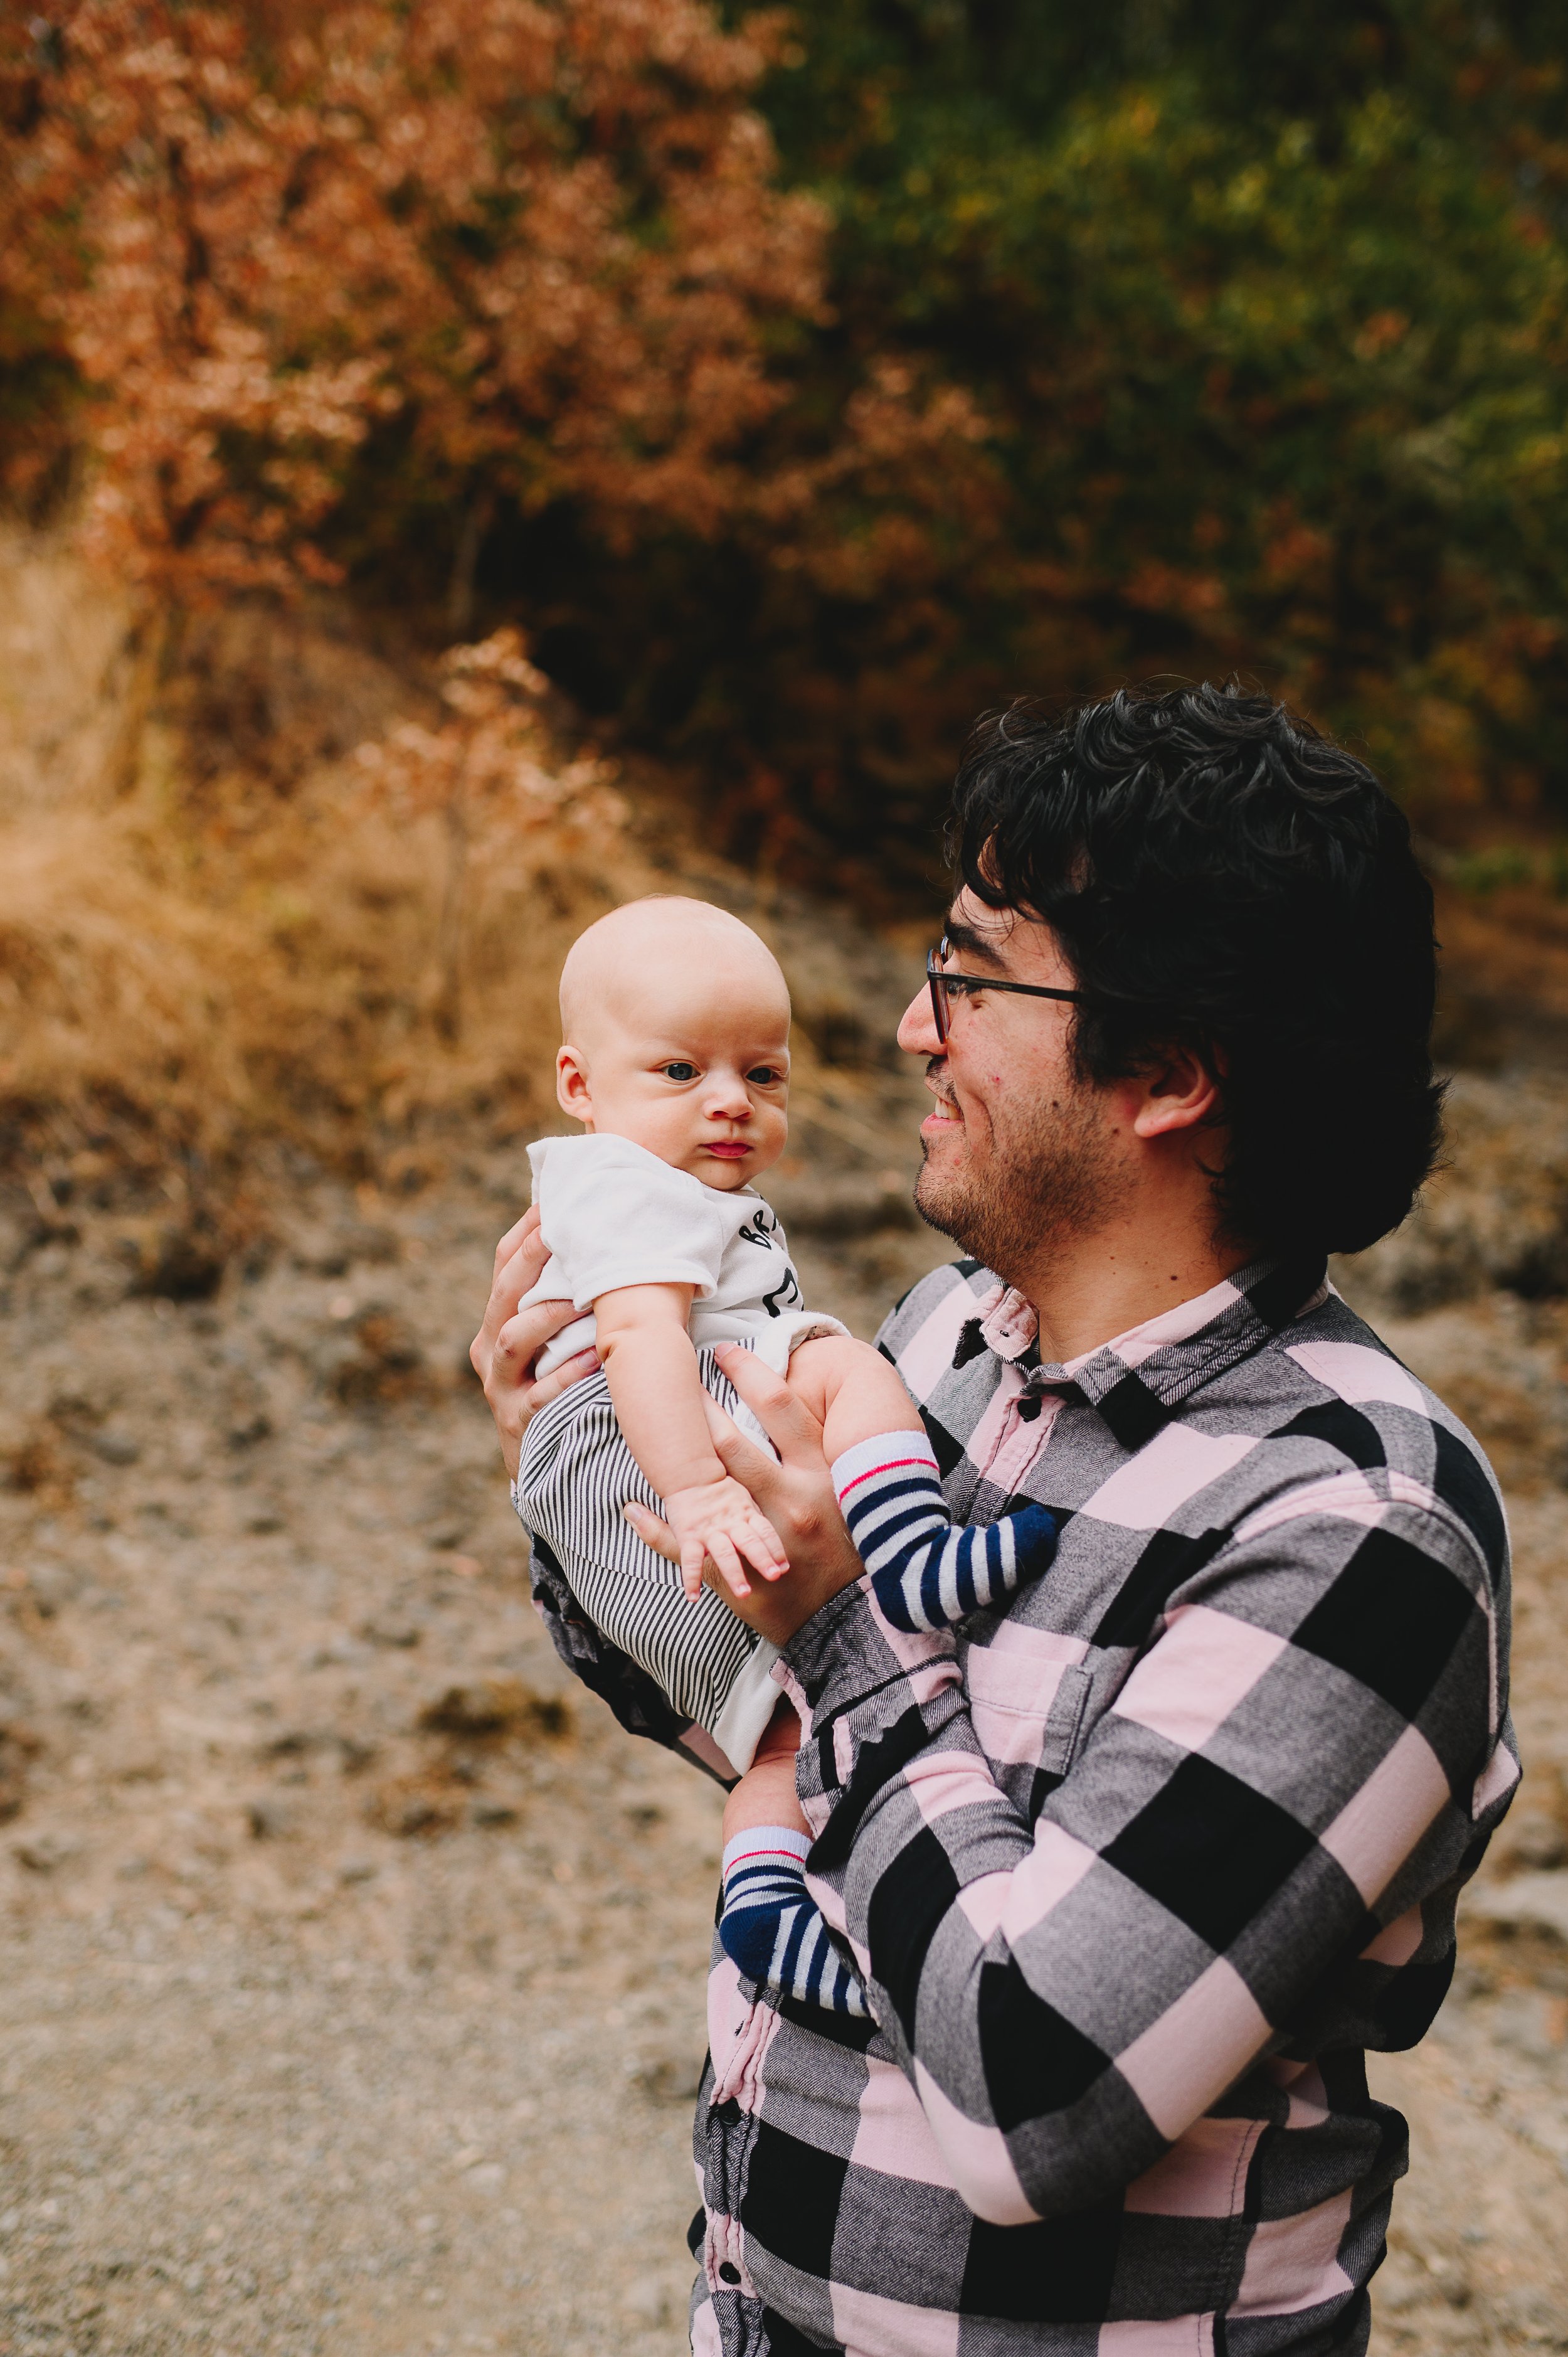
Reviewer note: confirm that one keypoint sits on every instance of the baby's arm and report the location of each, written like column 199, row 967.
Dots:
column 651, row 1369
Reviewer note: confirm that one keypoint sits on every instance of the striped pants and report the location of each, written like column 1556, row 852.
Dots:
column 575, row 1475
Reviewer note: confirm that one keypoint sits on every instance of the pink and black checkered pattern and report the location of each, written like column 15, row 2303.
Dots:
column 1134, row 1867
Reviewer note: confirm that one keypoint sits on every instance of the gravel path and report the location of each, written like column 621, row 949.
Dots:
column 354, row 1998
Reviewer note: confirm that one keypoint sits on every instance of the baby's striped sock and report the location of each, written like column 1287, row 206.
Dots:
column 773, row 1929
column 926, row 1574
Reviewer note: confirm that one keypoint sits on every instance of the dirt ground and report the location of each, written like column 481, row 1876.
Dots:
column 355, row 1959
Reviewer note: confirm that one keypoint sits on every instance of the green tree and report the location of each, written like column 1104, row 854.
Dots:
column 1264, row 313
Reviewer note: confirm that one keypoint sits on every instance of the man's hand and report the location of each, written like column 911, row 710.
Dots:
column 796, row 1494
column 506, row 1344
column 716, row 1523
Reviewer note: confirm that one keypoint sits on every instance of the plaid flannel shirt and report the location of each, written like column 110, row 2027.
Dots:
column 1137, row 1868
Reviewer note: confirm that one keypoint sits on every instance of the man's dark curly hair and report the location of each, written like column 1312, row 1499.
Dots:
column 1221, row 874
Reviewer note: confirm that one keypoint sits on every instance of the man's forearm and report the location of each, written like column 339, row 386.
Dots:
column 1064, row 1997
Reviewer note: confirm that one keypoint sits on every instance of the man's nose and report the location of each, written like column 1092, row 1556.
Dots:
column 918, row 1028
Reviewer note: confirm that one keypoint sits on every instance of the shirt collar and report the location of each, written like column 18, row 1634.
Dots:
column 1139, row 1379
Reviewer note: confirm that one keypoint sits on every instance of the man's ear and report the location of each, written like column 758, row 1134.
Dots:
column 572, row 1092
column 1180, row 1090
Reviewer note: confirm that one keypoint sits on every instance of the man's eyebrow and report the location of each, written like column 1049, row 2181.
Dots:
column 965, row 937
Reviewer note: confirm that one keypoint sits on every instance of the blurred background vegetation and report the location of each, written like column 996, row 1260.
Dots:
column 786, row 387
column 1048, row 345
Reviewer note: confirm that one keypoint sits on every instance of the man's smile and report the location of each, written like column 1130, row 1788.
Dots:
column 944, row 1114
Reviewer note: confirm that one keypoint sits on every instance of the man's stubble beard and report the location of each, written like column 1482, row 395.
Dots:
column 1049, row 1184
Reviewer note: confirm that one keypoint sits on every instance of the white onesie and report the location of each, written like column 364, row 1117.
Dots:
column 613, row 1214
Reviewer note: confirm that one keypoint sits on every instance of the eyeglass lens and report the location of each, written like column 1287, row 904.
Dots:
column 939, row 991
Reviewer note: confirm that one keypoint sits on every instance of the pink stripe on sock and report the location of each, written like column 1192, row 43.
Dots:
column 895, row 1465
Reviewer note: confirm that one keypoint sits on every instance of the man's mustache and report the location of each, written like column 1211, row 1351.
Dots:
column 936, row 1079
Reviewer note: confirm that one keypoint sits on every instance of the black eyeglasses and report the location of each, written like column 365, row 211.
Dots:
column 944, row 988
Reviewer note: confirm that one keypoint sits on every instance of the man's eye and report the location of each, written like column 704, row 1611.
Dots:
column 679, row 1071
column 765, row 1075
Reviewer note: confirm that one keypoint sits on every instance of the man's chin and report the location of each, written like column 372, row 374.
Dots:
column 940, row 1203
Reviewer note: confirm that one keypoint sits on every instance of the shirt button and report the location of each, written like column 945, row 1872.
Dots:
column 729, row 2272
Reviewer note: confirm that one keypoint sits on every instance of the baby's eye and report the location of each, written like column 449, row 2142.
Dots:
column 765, row 1076
column 679, row 1071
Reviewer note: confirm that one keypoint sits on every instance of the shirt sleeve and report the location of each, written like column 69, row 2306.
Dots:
column 1286, row 1775
column 613, row 1214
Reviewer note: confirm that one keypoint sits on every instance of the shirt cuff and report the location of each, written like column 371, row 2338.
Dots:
column 849, row 1666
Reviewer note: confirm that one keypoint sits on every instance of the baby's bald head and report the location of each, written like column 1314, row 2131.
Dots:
column 677, row 1036
column 665, row 953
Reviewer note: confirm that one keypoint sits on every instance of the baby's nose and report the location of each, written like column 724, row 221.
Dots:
column 727, row 1094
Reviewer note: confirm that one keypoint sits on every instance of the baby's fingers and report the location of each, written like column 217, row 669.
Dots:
column 728, row 1564
column 758, row 1543
column 693, row 1557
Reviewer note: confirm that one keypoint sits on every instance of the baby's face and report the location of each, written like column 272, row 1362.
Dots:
column 699, row 1075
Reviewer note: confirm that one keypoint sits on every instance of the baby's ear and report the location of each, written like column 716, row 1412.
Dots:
column 572, row 1093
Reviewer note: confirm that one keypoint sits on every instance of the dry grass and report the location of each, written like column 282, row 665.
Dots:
column 267, row 938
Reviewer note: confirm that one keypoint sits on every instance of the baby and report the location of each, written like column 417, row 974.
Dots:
column 676, row 1019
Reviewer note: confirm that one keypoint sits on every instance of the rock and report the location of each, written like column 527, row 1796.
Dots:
column 269, row 1819
column 340, row 1652
column 416, row 1804
column 668, row 2079
column 383, row 1363
column 390, row 1631
column 1531, row 1902
column 42, row 1853
column 494, row 1708
column 333, row 1251
column 1534, row 1837
column 18, row 1746
column 113, row 1445
column 51, row 1585
column 172, row 1260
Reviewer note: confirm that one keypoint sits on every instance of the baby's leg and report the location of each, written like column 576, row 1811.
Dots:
column 770, row 1925
column 926, row 1575
column 852, row 1390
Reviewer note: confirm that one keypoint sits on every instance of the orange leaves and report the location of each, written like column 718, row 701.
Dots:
column 495, row 751
column 546, row 240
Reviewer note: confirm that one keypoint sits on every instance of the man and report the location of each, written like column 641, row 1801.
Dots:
column 1137, row 1867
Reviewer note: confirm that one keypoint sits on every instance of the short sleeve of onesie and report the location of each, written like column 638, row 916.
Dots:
column 613, row 1214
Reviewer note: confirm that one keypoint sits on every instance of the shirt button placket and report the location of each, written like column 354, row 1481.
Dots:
column 1019, row 1440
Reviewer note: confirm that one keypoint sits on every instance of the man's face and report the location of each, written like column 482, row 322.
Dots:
column 1021, row 1157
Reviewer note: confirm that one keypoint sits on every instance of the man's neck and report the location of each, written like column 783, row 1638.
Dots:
column 1102, row 1284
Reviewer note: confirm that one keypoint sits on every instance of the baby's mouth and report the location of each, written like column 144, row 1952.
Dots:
column 728, row 1149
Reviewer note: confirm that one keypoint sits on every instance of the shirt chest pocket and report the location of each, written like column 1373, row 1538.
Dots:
column 1031, row 1705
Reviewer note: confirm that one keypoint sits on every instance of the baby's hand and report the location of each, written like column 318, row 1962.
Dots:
column 722, row 1520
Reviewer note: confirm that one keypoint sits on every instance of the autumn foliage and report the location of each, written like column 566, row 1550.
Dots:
column 801, row 382
column 533, row 249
